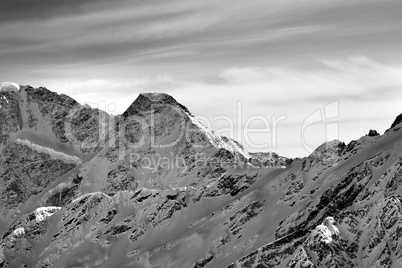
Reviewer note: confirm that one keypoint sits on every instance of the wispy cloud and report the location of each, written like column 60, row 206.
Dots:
column 90, row 30
column 354, row 77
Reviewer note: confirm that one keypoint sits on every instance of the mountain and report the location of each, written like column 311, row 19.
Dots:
column 153, row 187
column 9, row 86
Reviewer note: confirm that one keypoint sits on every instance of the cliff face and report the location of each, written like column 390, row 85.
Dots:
column 155, row 188
column 34, row 154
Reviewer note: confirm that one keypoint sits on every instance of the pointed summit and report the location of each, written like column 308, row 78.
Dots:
column 397, row 121
column 147, row 101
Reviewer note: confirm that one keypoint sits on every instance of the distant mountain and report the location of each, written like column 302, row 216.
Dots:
column 153, row 187
column 9, row 86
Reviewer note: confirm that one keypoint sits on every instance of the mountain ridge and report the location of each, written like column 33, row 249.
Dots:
column 201, row 200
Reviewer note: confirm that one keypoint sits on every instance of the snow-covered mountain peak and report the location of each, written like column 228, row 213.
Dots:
column 9, row 86
column 327, row 153
column 330, row 145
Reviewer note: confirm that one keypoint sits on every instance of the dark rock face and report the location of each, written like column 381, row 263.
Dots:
column 373, row 133
column 69, row 121
column 10, row 115
column 235, row 184
column 65, row 195
column 152, row 101
column 120, row 179
column 52, row 105
column 25, row 172
column 397, row 121
column 268, row 160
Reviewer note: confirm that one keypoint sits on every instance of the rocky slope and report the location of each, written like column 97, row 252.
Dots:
column 34, row 154
column 154, row 188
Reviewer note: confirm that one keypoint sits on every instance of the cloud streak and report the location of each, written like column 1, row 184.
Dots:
column 89, row 30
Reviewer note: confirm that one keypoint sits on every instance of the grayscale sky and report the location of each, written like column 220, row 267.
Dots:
column 281, row 59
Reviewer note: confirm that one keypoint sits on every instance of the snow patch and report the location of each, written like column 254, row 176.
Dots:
column 9, row 87
column 325, row 231
column 96, row 194
column 4, row 98
column 218, row 141
column 52, row 153
column 20, row 231
column 44, row 212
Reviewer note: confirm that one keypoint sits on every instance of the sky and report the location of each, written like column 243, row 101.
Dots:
column 282, row 76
